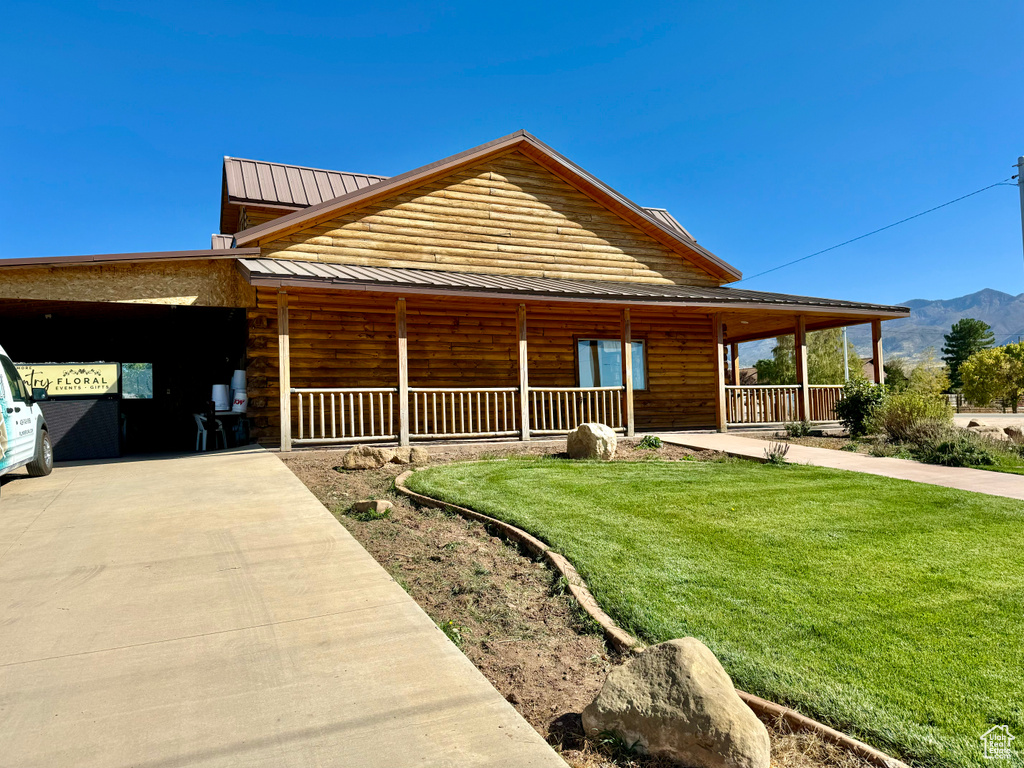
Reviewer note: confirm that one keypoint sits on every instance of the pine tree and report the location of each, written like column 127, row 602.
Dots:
column 966, row 337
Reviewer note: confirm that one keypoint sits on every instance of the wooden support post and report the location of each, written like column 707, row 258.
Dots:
column 800, row 347
column 401, row 334
column 627, row 371
column 524, row 375
column 284, row 371
column 721, row 423
column 734, row 356
column 876, row 351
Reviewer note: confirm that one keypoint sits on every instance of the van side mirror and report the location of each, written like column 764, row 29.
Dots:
column 39, row 394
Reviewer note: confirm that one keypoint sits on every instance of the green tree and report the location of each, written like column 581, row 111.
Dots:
column 966, row 337
column 928, row 378
column 990, row 374
column 896, row 377
column 824, row 360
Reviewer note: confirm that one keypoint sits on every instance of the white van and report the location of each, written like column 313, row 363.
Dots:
column 24, row 441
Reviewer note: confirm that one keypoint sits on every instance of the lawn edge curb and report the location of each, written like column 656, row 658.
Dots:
column 623, row 642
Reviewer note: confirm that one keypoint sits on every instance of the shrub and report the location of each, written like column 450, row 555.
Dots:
column 860, row 399
column 958, row 449
column 775, row 453
column 798, row 428
column 650, row 443
column 901, row 413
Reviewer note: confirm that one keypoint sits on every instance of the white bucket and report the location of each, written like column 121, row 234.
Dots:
column 238, row 381
column 240, row 401
column 221, row 397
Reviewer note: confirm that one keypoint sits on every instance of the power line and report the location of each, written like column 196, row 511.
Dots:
column 881, row 229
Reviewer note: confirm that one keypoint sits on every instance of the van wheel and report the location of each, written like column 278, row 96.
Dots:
column 42, row 464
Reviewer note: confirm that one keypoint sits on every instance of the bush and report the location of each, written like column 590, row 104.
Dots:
column 860, row 400
column 650, row 443
column 900, row 414
column 775, row 453
column 959, row 448
column 798, row 428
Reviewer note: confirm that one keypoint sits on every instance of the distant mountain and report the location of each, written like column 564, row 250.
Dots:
column 928, row 322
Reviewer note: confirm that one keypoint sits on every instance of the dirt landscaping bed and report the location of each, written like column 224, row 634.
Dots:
column 507, row 612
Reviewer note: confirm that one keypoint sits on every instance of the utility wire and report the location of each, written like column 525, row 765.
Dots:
column 876, row 231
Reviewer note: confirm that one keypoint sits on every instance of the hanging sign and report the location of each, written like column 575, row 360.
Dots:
column 71, row 379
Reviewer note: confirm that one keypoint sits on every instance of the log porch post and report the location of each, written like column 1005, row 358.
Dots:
column 800, row 347
column 627, row 370
column 734, row 356
column 721, row 422
column 876, row 351
column 401, row 335
column 284, row 372
column 524, row 376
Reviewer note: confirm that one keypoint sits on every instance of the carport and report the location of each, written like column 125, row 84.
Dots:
column 176, row 320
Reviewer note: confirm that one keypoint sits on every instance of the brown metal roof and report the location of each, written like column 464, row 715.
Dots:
column 257, row 182
column 343, row 276
column 656, row 225
column 261, row 183
column 103, row 258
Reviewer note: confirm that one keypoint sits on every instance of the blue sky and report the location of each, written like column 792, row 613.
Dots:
column 770, row 131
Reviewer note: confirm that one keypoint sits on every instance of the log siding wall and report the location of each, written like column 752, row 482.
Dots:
column 504, row 216
column 343, row 339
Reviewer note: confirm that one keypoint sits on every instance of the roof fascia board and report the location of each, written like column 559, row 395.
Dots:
column 535, row 150
column 281, row 281
column 108, row 258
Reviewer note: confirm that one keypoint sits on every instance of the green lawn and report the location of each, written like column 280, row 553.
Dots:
column 889, row 609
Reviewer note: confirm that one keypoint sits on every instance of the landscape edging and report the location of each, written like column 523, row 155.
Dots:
column 624, row 642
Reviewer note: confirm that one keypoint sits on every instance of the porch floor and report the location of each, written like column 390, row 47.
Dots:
column 977, row 480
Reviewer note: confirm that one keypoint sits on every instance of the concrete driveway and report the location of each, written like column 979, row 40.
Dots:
column 208, row 611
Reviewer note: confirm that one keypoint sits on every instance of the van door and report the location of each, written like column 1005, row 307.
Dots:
column 18, row 420
column 5, row 419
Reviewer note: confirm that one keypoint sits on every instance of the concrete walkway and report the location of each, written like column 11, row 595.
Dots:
column 208, row 611
column 978, row 480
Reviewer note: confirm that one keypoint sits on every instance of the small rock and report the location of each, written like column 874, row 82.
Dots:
column 675, row 700
column 419, row 455
column 403, row 455
column 1014, row 433
column 378, row 506
column 366, row 457
column 591, row 441
column 975, row 423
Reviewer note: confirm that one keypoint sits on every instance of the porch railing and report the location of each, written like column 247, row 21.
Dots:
column 463, row 412
column 345, row 415
column 762, row 404
column 779, row 403
column 823, row 399
column 557, row 410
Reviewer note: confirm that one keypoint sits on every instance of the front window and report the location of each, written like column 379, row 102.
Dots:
column 600, row 363
column 18, row 389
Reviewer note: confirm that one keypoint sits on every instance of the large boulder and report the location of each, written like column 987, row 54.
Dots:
column 992, row 433
column 676, row 701
column 367, row 457
column 591, row 441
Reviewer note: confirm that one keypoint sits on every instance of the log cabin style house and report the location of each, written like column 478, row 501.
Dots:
column 500, row 292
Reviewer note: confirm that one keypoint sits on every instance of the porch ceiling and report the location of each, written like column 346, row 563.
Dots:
column 748, row 315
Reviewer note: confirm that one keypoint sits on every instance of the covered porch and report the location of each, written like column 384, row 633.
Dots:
column 341, row 355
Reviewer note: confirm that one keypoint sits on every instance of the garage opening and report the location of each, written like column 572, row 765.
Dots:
column 167, row 360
